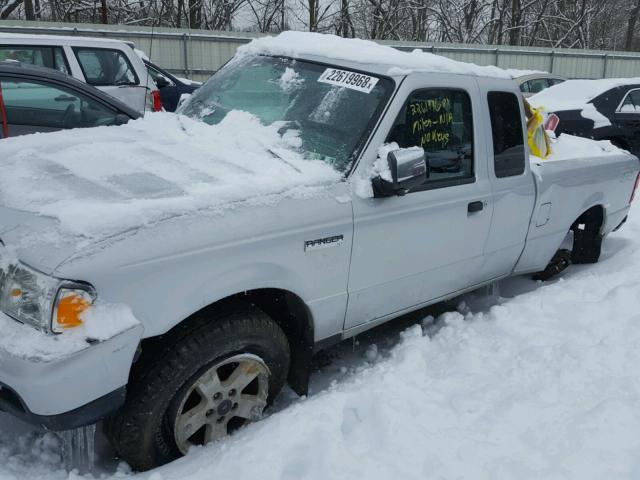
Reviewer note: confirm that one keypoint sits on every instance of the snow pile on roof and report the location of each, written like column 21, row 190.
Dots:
column 577, row 95
column 106, row 180
column 570, row 147
column 515, row 72
column 300, row 44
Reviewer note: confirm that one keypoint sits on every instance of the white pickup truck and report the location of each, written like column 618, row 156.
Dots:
column 170, row 275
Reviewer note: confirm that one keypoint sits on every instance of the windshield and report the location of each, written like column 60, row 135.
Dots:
column 325, row 111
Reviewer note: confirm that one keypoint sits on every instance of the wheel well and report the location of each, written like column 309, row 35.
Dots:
column 618, row 142
column 285, row 308
column 587, row 239
column 592, row 219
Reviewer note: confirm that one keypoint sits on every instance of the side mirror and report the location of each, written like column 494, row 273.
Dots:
column 408, row 169
column 121, row 119
column 161, row 81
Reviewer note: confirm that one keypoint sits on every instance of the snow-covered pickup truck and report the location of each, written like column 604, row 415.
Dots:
column 170, row 275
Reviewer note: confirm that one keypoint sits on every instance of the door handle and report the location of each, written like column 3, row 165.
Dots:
column 475, row 207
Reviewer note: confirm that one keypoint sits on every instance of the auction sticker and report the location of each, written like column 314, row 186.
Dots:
column 343, row 78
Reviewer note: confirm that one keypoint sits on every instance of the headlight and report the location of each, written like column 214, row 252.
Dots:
column 30, row 297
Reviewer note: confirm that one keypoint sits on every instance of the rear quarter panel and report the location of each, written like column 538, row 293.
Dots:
column 572, row 187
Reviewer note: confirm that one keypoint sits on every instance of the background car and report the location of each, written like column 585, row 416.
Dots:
column 38, row 99
column 171, row 87
column 531, row 83
column 110, row 65
column 606, row 109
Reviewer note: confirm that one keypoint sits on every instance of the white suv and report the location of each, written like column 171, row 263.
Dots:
column 110, row 65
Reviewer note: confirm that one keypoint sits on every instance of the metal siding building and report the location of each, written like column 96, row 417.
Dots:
column 198, row 53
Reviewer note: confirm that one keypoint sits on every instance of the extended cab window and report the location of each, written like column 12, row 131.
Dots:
column 506, row 129
column 103, row 67
column 50, row 57
column 439, row 121
column 43, row 105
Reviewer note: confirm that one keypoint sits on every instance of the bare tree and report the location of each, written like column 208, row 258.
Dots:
column 606, row 24
column 631, row 25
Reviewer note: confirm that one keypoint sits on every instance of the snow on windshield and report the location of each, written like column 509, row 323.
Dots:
column 106, row 180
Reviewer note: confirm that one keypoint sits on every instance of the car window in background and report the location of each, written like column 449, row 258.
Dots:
column 524, row 87
column 554, row 81
column 39, row 104
column 50, row 57
column 506, row 130
column 440, row 122
column 631, row 103
column 102, row 67
column 153, row 73
column 537, row 85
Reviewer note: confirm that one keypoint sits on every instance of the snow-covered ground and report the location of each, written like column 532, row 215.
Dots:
column 530, row 380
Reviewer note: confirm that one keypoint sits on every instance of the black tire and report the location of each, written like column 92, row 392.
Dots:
column 560, row 261
column 587, row 244
column 141, row 430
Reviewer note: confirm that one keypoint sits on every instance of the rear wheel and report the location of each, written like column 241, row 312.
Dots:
column 198, row 384
column 587, row 242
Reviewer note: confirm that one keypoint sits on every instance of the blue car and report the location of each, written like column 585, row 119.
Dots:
column 171, row 87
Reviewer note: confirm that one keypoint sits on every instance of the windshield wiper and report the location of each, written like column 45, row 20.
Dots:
column 276, row 155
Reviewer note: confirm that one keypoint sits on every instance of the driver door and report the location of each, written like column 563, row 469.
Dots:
column 428, row 244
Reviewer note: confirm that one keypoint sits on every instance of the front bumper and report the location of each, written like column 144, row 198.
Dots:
column 60, row 388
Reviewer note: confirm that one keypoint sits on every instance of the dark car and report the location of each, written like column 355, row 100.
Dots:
column 607, row 109
column 38, row 99
column 171, row 87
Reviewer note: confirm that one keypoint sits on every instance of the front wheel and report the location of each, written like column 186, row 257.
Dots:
column 201, row 383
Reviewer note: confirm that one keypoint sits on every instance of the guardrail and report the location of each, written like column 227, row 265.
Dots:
column 199, row 53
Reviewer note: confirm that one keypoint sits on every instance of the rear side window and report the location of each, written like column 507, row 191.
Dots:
column 105, row 67
column 50, row 57
column 506, row 129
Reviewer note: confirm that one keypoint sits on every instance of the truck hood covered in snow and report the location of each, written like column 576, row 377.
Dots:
column 79, row 187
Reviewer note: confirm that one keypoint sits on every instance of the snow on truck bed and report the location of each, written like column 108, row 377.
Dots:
column 570, row 147
column 108, row 179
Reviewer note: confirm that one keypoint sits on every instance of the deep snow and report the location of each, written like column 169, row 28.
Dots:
column 540, row 382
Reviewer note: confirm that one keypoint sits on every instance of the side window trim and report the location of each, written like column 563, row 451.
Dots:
column 63, row 55
column 77, row 50
column 624, row 99
column 433, row 184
